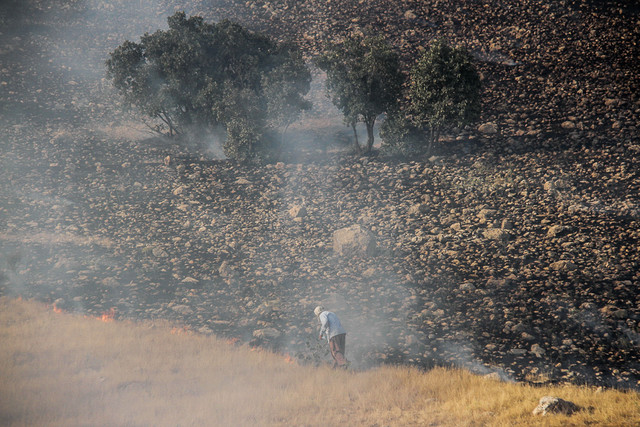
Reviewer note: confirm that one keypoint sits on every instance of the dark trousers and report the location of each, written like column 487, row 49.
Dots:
column 337, row 346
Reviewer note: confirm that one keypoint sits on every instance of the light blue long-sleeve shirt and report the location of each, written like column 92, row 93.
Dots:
column 331, row 325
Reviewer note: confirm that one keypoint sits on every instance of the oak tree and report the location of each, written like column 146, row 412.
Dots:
column 444, row 89
column 363, row 80
column 196, row 75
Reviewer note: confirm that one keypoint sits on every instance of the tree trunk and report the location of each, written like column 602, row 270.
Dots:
column 165, row 117
column 355, row 135
column 434, row 137
column 431, row 136
column 370, row 137
column 284, row 131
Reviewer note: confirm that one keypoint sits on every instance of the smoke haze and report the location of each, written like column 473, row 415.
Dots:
column 96, row 214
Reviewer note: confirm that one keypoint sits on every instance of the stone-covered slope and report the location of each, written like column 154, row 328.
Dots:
column 519, row 257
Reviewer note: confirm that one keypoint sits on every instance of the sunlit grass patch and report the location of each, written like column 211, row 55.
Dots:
column 63, row 369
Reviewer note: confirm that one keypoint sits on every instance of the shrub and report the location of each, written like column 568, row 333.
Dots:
column 400, row 136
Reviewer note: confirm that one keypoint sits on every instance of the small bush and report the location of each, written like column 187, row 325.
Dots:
column 400, row 137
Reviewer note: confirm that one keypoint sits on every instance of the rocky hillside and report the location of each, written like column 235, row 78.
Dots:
column 552, row 71
column 517, row 254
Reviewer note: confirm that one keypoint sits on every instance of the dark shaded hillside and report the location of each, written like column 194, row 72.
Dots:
column 520, row 257
column 553, row 70
column 554, row 73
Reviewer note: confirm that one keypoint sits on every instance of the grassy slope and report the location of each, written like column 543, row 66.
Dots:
column 63, row 369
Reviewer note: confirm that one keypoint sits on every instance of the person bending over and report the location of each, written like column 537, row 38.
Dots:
column 331, row 327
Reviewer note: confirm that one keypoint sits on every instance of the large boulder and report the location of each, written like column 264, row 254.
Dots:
column 554, row 405
column 354, row 240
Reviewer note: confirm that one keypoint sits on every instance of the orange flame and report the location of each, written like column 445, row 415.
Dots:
column 180, row 330
column 108, row 316
column 56, row 309
column 289, row 359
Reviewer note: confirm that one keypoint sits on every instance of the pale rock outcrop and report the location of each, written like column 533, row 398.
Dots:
column 554, row 405
column 354, row 240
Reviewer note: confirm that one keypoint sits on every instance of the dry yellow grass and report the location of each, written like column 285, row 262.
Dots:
column 67, row 370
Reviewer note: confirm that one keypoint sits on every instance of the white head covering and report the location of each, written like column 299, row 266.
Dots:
column 319, row 309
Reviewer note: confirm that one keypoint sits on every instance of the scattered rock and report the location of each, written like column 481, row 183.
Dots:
column 495, row 234
column 417, row 209
column 159, row 252
column 506, row 224
column 486, row 214
column 182, row 309
column 537, row 350
column 267, row 333
column 614, row 312
column 110, row 282
column 456, row 226
column 498, row 376
column 410, row 14
column 563, row 265
column 557, row 231
column 488, row 128
column 550, row 186
column 226, row 270
column 298, row 211
column 499, row 283
column 467, row 287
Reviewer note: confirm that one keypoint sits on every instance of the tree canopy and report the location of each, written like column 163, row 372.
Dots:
column 444, row 89
column 197, row 75
column 363, row 80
